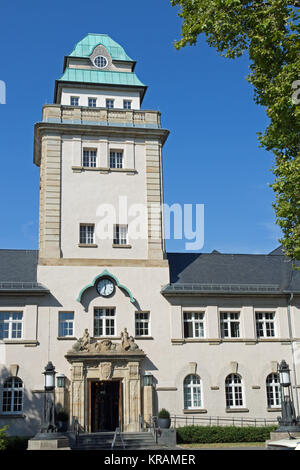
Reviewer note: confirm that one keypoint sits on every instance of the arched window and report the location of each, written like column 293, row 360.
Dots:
column 273, row 391
column 234, row 391
column 192, row 392
column 12, row 395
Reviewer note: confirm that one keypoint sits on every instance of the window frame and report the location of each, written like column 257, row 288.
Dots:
column 194, row 321
column 91, row 98
column 116, row 159
column 109, row 100
column 192, row 387
column 13, row 390
column 86, row 225
column 264, row 321
column 74, row 98
column 62, row 322
column 273, row 391
column 234, row 386
column 129, row 102
column 142, row 321
column 118, row 239
column 100, row 57
column 89, row 158
column 230, row 322
column 105, row 320
column 11, row 322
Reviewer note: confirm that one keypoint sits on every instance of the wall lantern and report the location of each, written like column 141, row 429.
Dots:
column 284, row 374
column 60, row 380
column 49, row 377
column 148, row 379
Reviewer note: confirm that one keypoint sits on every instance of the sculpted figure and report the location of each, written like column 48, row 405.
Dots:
column 125, row 339
column 132, row 345
column 82, row 344
column 85, row 340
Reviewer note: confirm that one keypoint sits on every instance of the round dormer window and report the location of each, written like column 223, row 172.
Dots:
column 100, row 61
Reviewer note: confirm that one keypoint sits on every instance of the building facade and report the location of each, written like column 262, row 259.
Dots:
column 105, row 303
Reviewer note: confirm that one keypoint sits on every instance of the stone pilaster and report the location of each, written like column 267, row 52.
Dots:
column 77, row 393
column 50, row 197
column 154, row 199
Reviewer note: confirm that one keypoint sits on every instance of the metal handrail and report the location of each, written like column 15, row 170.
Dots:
column 154, row 427
column 76, row 428
column 117, row 433
column 179, row 420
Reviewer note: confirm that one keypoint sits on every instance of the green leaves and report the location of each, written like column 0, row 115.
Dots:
column 270, row 32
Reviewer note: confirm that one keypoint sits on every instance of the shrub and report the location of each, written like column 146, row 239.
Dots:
column 217, row 434
column 3, row 438
column 163, row 414
column 17, row 443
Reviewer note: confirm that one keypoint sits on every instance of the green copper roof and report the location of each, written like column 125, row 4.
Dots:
column 85, row 47
column 100, row 76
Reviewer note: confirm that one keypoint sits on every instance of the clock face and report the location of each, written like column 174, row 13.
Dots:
column 105, row 287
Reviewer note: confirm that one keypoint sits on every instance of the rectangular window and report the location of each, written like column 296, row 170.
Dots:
column 87, row 236
column 104, row 322
column 66, row 324
column 126, row 104
column 142, row 324
column 230, row 325
column 265, row 324
column 120, row 234
column 74, row 101
column 89, row 158
column 110, row 103
column 11, row 325
column 92, row 102
column 193, row 323
column 116, row 159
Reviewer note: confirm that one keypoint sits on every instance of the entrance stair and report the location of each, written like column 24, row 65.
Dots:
column 103, row 441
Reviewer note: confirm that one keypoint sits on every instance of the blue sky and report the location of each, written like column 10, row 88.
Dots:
column 212, row 156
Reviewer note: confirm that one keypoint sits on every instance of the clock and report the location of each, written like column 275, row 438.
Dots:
column 106, row 287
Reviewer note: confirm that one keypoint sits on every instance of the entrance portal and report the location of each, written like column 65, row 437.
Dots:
column 105, row 405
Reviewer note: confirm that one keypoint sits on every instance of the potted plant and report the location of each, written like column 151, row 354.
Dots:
column 164, row 420
column 62, row 419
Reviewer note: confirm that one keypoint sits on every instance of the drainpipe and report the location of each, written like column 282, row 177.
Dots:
column 293, row 350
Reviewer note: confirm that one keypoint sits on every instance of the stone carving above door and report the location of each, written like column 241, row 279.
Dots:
column 89, row 345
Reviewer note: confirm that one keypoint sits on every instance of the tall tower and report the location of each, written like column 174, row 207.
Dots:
column 94, row 146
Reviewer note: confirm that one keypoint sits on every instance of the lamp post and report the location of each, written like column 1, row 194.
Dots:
column 148, row 379
column 288, row 422
column 48, row 424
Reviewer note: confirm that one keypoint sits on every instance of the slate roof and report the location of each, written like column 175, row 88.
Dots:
column 18, row 272
column 231, row 273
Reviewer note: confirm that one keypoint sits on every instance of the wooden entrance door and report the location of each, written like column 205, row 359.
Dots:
column 105, row 405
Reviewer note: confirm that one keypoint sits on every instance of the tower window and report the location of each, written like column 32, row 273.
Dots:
column 100, row 61
column 110, row 103
column 92, row 102
column 74, row 101
column 89, row 159
column 120, row 234
column 116, row 159
column 126, row 104
column 87, row 235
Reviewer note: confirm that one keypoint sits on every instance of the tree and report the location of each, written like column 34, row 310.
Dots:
column 269, row 32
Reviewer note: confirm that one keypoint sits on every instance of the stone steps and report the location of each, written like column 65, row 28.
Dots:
column 98, row 441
